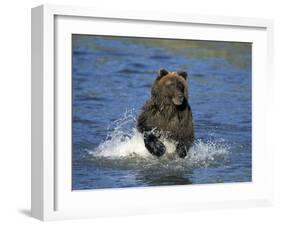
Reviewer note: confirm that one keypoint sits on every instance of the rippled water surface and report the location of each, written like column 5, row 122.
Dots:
column 112, row 78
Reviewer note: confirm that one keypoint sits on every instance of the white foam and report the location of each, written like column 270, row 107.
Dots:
column 203, row 154
column 125, row 142
column 120, row 145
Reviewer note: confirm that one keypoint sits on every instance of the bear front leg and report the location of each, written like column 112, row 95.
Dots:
column 153, row 144
column 182, row 150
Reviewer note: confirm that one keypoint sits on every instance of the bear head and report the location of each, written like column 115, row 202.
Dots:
column 170, row 88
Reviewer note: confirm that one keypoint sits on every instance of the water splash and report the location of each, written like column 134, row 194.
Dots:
column 124, row 147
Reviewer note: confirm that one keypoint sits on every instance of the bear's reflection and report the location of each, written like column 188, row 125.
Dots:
column 158, row 180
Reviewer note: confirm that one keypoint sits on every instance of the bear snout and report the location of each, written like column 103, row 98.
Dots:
column 178, row 100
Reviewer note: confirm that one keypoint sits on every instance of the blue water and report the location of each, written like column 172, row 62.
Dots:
column 112, row 78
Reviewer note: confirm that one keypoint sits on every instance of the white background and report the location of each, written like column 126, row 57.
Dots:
column 15, row 112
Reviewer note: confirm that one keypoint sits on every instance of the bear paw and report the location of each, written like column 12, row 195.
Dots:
column 154, row 146
column 182, row 151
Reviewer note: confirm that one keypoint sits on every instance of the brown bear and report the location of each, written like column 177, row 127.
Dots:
column 167, row 113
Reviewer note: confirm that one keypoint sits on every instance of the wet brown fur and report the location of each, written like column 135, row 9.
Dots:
column 160, row 113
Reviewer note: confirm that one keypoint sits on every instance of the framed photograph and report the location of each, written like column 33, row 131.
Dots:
column 143, row 112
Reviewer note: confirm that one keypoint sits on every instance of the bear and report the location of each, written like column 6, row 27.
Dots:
column 167, row 114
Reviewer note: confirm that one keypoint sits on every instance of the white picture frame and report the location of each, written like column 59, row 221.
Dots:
column 52, row 197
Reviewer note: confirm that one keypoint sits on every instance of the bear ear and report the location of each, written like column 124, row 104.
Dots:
column 183, row 74
column 162, row 72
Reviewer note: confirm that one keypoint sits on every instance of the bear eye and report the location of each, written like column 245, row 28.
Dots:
column 180, row 86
